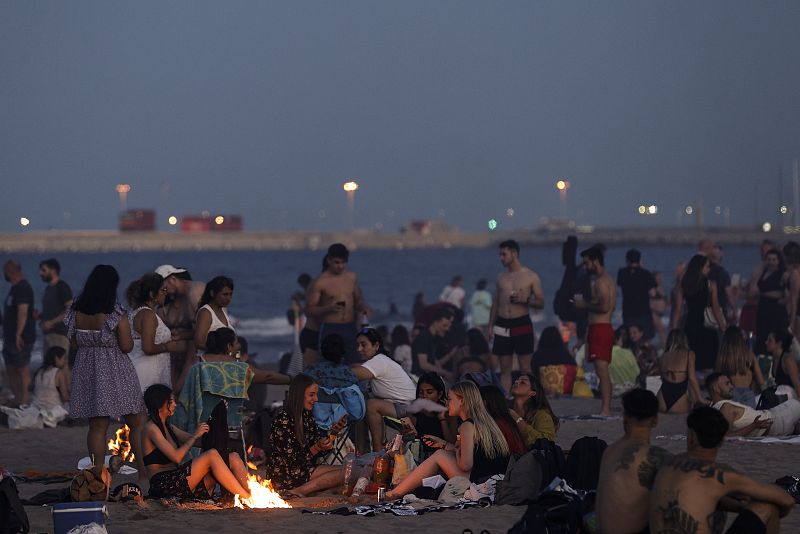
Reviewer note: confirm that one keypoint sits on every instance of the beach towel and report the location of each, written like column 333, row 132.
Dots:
column 222, row 379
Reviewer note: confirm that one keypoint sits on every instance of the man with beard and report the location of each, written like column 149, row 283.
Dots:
column 56, row 301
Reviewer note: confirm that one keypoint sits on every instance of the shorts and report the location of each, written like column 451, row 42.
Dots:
column 174, row 484
column 747, row 522
column 55, row 340
column 309, row 339
column 348, row 333
column 400, row 409
column 513, row 336
column 599, row 342
column 17, row 358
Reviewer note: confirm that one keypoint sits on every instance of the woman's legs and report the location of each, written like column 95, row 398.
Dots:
column 238, row 468
column 136, row 423
column 322, row 477
column 376, row 409
column 441, row 462
column 211, row 462
column 96, row 439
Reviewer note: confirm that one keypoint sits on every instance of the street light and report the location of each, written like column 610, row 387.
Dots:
column 172, row 220
column 350, row 189
column 123, row 190
column 24, row 221
column 562, row 186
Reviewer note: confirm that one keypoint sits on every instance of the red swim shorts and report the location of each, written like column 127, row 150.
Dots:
column 599, row 342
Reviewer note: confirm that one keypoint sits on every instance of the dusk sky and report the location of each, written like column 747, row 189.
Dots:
column 438, row 109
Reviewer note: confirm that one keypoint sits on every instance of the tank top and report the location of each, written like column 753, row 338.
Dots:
column 484, row 467
column 747, row 417
column 45, row 392
column 782, row 378
column 216, row 324
column 150, row 369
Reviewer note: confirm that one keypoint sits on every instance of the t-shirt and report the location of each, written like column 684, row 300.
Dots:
column 454, row 295
column 19, row 293
column 720, row 276
column 390, row 382
column 481, row 306
column 636, row 284
column 425, row 343
column 53, row 301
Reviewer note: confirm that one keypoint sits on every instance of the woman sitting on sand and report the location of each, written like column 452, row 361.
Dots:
column 165, row 445
column 737, row 361
column 531, row 410
column 784, row 368
column 480, row 449
column 296, row 441
column 222, row 345
column 679, row 387
column 431, row 387
column 497, row 407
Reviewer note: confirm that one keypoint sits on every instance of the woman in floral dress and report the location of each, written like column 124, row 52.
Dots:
column 104, row 381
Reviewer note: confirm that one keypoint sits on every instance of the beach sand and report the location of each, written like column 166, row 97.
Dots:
column 60, row 448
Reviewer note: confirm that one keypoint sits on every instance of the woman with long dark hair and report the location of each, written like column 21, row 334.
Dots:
column 430, row 386
column 497, row 407
column 699, row 293
column 104, row 381
column 212, row 310
column 531, row 410
column 296, row 441
column 165, row 446
column 771, row 313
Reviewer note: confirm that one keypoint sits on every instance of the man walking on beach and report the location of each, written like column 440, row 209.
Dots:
column 691, row 489
column 636, row 284
column 19, row 331
column 334, row 300
column 629, row 467
column 600, row 337
column 780, row 420
column 518, row 290
column 56, row 301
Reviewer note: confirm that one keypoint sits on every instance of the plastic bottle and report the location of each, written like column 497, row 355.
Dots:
column 380, row 471
column 348, row 475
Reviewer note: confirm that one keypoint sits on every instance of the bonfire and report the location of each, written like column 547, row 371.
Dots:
column 121, row 446
column 262, row 495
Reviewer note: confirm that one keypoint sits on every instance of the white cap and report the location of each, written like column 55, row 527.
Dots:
column 168, row 270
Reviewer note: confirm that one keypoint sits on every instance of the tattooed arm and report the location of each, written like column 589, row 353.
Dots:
column 758, row 491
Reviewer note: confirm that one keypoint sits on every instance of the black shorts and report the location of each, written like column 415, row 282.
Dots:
column 747, row 522
column 513, row 336
column 17, row 358
column 309, row 339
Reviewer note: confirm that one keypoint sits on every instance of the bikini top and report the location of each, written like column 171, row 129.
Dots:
column 157, row 456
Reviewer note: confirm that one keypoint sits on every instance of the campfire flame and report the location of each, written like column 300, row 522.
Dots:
column 262, row 495
column 121, row 446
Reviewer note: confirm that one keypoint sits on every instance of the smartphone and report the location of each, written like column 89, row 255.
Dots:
column 393, row 422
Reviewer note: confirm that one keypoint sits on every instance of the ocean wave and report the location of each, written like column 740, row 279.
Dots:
column 264, row 328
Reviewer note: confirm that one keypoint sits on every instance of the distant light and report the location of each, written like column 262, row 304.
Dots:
column 492, row 224
column 717, row 210
column 24, row 221
column 322, row 214
column 642, row 209
column 123, row 188
column 562, row 185
column 784, row 210
column 652, row 209
column 219, row 219
column 689, row 210
column 766, row 227
column 172, row 220
column 350, row 186
column 510, row 212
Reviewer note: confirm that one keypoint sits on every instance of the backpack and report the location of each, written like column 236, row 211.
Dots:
column 583, row 463
column 13, row 518
column 552, row 512
column 523, row 479
column 551, row 460
column 257, row 433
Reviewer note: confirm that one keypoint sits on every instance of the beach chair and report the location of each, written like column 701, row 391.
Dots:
column 334, row 403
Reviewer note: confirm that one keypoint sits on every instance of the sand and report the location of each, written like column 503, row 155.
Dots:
column 60, row 448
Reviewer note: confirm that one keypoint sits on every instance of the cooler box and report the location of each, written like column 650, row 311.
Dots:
column 69, row 515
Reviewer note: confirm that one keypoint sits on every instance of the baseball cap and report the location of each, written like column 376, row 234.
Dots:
column 168, row 270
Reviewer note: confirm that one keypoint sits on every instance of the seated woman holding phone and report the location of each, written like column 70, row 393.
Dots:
column 430, row 387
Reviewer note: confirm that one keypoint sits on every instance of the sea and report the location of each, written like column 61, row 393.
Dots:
column 265, row 280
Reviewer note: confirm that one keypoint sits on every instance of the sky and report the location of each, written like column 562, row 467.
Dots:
column 447, row 109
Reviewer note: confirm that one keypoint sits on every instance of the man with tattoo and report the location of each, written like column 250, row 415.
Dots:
column 629, row 468
column 692, row 490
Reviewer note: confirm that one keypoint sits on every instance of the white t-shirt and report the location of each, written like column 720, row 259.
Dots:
column 454, row 295
column 390, row 382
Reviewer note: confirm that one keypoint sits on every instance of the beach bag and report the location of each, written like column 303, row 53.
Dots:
column 583, row 463
column 522, row 481
column 13, row 518
column 709, row 319
column 552, row 512
column 551, row 459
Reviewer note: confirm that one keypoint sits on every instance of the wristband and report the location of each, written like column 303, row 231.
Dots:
column 519, row 420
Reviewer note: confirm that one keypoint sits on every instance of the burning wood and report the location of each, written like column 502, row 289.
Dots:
column 262, row 495
column 121, row 446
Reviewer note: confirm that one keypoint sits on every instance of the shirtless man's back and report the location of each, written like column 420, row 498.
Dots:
column 691, row 489
column 518, row 290
column 629, row 468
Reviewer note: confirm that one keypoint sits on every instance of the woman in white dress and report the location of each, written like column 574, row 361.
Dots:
column 152, row 340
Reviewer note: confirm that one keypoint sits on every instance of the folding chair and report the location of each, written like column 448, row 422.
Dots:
column 332, row 404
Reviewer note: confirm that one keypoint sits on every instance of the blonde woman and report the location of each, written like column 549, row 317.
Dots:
column 679, row 387
column 479, row 452
column 737, row 361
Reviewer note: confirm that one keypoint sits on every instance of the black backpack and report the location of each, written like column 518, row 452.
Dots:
column 583, row 463
column 551, row 460
column 258, row 430
column 553, row 512
column 13, row 518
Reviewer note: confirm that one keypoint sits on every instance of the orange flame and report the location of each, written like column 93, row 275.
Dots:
column 121, row 446
column 262, row 495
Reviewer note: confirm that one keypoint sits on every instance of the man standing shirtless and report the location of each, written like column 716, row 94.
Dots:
column 691, row 488
column 518, row 290
column 600, row 337
column 628, row 468
column 335, row 301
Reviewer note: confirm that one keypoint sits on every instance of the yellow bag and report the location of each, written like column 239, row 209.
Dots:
column 581, row 388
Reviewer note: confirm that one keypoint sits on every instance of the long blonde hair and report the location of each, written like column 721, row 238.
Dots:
column 487, row 432
column 734, row 355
